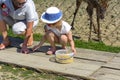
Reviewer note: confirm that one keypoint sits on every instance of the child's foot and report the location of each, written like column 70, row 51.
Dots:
column 51, row 51
column 4, row 45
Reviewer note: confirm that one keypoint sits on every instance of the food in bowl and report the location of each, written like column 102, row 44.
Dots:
column 63, row 56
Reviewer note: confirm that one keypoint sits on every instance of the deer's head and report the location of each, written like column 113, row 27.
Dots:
column 103, row 4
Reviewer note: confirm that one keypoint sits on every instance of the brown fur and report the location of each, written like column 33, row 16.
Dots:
column 100, row 6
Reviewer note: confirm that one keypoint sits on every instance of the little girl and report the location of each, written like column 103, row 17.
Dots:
column 56, row 31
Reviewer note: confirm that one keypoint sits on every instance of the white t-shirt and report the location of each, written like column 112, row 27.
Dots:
column 27, row 12
column 64, row 30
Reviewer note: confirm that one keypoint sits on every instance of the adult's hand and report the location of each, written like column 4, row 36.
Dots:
column 24, row 50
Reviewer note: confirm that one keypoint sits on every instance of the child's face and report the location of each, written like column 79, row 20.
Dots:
column 52, row 25
column 55, row 24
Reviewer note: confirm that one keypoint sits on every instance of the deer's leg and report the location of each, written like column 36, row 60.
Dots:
column 98, row 24
column 90, row 13
column 95, row 29
column 78, row 3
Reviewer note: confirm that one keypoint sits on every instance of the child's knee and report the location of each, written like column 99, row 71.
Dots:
column 50, row 34
column 64, row 39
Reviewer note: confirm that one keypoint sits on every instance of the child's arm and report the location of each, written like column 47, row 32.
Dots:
column 40, row 44
column 70, row 40
column 42, row 40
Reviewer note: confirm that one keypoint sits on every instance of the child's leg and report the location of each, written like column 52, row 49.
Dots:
column 63, row 41
column 52, row 39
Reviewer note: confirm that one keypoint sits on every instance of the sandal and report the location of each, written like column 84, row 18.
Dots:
column 4, row 45
column 51, row 51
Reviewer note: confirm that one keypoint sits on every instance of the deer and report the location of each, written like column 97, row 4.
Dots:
column 100, row 6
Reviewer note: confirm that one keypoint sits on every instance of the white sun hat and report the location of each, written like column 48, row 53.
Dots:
column 52, row 15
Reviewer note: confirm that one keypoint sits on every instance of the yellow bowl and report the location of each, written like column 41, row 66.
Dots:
column 63, row 56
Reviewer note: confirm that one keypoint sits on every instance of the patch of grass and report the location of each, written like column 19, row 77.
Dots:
column 100, row 46
column 22, row 73
column 37, row 37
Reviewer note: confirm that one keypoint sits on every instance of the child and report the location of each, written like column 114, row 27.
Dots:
column 56, row 31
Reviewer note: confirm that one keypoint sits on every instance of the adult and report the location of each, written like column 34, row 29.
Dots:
column 22, row 16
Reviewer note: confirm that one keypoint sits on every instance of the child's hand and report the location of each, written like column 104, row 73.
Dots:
column 74, row 50
column 35, row 47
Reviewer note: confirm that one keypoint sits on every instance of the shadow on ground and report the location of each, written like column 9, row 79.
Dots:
column 16, row 42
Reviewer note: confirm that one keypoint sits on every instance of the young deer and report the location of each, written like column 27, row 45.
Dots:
column 100, row 6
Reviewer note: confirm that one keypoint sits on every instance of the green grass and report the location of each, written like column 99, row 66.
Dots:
column 21, row 73
column 100, row 46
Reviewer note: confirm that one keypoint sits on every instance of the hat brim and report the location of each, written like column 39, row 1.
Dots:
column 48, row 21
